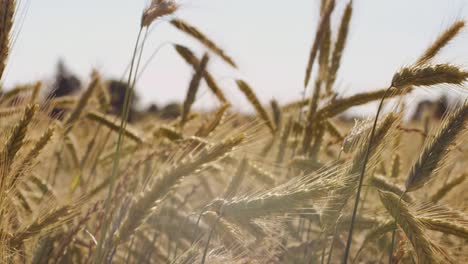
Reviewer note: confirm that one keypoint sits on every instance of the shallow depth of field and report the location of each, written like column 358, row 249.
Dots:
column 88, row 177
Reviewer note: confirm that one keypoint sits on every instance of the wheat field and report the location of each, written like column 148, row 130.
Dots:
column 82, row 182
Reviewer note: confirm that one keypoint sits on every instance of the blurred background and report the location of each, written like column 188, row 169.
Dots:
column 269, row 39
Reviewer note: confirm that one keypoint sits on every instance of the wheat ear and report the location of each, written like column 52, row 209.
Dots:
column 421, row 75
column 441, row 41
column 277, row 114
column 433, row 155
column 42, row 224
column 340, row 105
column 30, row 157
column 16, row 138
column 339, row 46
column 195, row 33
column 250, row 95
column 145, row 202
column 192, row 90
column 191, row 59
column 207, row 128
column 446, row 226
column 7, row 14
column 444, row 190
column 112, row 124
column 81, row 104
column 311, row 118
column 338, row 201
column 236, row 180
column 384, row 184
column 412, row 227
column 318, row 39
column 325, row 46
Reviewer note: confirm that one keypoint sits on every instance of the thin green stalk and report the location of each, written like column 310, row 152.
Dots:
column 205, row 251
column 392, row 245
column 115, row 166
column 361, row 177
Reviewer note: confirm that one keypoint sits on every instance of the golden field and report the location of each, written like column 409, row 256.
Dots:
column 84, row 179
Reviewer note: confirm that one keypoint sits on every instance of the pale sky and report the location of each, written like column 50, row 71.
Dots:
column 269, row 39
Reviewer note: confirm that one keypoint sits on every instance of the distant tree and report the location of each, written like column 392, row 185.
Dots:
column 170, row 111
column 436, row 108
column 117, row 90
column 65, row 82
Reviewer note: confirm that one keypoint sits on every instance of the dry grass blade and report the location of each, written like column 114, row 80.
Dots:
column 195, row 33
column 412, row 227
column 441, row 41
column 192, row 90
column 250, row 95
column 318, row 38
column 434, row 153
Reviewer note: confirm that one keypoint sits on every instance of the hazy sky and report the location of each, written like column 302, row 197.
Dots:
column 269, row 39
